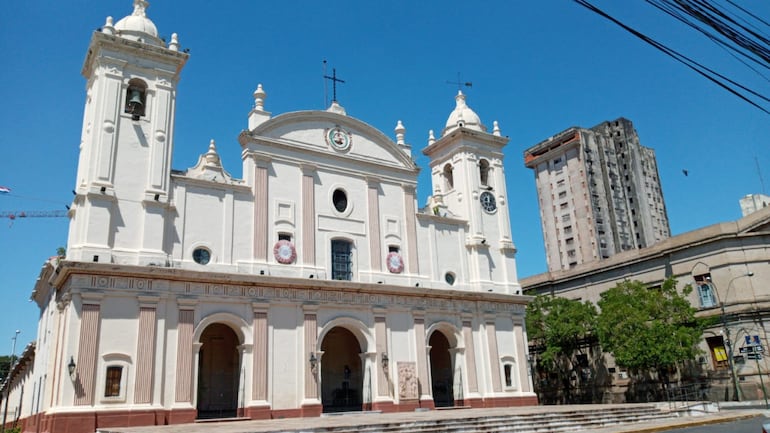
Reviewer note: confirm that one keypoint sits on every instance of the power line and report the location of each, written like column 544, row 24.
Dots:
column 731, row 35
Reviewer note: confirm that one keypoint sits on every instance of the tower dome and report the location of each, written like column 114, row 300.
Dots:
column 463, row 116
column 137, row 26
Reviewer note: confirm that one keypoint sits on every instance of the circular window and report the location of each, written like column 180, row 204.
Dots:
column 201, row 256
column 340, row 200
column 449, row 277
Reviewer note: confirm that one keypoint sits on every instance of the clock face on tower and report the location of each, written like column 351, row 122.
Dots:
column 488, row 202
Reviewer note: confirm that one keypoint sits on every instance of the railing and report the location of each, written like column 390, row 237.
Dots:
column 686, row 393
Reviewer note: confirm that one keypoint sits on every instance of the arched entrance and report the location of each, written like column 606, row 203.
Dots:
column 218, row 372
column 342, row 377
column 441, row 371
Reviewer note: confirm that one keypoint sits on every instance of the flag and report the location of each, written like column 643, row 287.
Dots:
column 4, row 190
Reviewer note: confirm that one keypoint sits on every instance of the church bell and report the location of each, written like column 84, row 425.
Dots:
column 135, row 106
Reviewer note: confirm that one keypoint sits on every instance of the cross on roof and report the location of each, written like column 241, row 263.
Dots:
column 335, row 80
column 460, row 83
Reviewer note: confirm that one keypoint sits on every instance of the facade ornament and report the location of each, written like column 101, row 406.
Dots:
column 395, row 263
column 284, row 252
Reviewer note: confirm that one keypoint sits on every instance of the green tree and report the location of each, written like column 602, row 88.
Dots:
column 5, row 365
column 559, row 328
column 648, row 329
column 559, row 325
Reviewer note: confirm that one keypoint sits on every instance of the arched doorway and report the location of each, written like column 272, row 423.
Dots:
column 342, row 377
column 218, row 372
column 441, row 371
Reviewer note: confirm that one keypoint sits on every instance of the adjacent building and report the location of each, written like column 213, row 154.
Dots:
column 311, row 284
column 599, row 193
column 753, row 202
column 728, row 267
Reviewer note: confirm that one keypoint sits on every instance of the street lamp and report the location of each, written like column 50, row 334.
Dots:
column 731, row 365
column 7, row 378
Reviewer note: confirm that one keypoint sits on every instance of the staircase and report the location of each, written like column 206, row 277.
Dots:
column 557, row 420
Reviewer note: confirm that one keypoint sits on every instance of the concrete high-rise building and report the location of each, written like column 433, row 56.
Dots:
column 753, row 202
column 599, row 193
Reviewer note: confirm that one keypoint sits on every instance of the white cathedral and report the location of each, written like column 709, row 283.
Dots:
column 314, row 284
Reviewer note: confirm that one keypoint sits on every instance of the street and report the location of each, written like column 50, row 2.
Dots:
column 753, row 425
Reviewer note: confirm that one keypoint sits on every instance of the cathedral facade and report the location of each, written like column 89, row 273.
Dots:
column 312, row 284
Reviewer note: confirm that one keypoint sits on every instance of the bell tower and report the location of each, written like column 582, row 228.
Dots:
column 469, row 183
column 123, row 177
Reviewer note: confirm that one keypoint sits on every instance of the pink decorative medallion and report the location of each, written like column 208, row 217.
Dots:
column 284, row 252
column 395, row 263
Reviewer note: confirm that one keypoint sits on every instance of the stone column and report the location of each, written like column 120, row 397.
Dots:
column 373, row 205
column 457, row 374
column 410, row 219
column 261, row 206
column 494, row 357
column 381, row 339
column 259, row 387
column 308, row 215
column 184, row 354
column 88, row 347
column 311, row 339
column 422, row 361
column 368, row 361
column 145, row 350
column 470, row 356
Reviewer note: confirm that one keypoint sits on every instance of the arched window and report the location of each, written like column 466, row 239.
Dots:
column 705, row 290
column 136, row 98
column 484, row 172
column 449, row 182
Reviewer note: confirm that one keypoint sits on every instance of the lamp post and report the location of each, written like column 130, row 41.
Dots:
column 7, row 378
column 731, row 365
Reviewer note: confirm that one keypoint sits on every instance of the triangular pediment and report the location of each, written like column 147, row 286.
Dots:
column 327, row 134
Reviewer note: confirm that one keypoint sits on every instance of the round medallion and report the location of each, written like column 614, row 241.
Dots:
column 338, row 138
column 284, row 252
column 395, row 263
column 488, row 201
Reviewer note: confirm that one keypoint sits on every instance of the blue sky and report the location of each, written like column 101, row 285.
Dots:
column 537, row 68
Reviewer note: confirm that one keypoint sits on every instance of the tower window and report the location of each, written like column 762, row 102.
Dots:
column 484, row 172
column 342, row 260
column 136, row 99
column 449, row 182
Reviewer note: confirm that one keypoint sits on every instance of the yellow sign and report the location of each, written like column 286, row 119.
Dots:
column 720, row 354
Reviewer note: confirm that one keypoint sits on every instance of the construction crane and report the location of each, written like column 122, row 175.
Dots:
column 12, row 215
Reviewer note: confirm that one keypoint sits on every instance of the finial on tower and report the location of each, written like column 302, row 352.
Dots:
column 400, row 131
column 140, row 8
column 259, row 98
column 212, row 157
column 174, row 44
column 108, row 27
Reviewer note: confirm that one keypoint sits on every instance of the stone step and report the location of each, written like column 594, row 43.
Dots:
column 535, row 423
